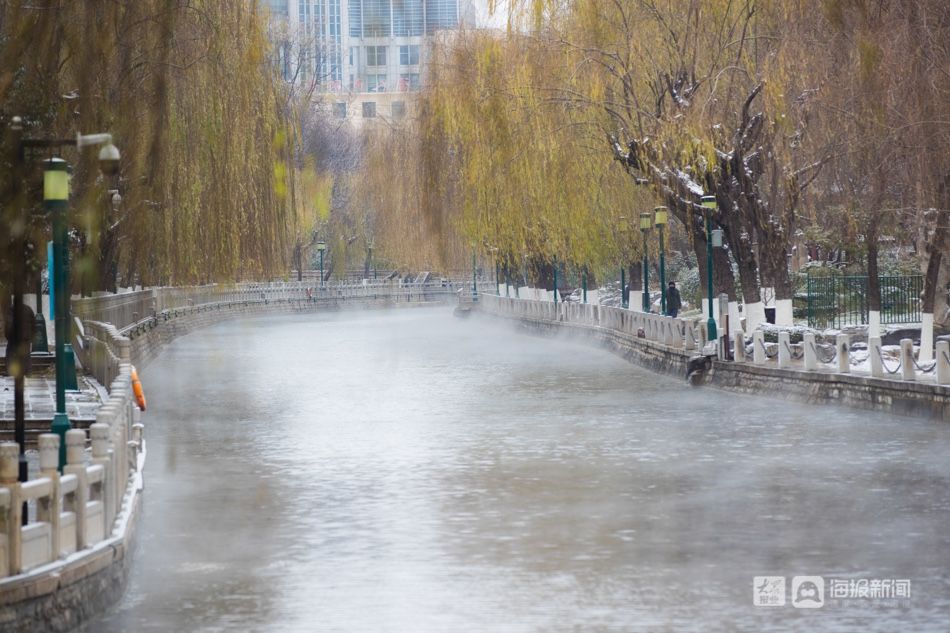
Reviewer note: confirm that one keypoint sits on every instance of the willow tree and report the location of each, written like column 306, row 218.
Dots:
column 206, row 191
column 503, row 164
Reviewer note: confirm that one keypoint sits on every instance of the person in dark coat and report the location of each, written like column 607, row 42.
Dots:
column 13, row 363
column 673, row 301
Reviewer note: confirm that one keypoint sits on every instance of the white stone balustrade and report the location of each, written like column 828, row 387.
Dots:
column 70, row 508
column 738, row 346
column 875, row 355
column 811, row 354
column 943, row 362
column 907, row 360
column 758, row 348
column 689, row 334
column 843, row 344
column 784, row 351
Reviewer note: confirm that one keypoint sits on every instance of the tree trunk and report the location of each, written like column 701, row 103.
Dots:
column 746, row 264
column 874, row 280
column 723, row 280
column 935, row 247
column 636, row 277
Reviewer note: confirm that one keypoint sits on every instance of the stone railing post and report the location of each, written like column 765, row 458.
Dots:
column 138, row 436
column 75, row 447
column 738, row 346
column 784, row 353
column 943, row 362
column 874, row 355
column 843, row 342
column 101, row 454
column 811, row 358
column 48, row 509
column 689, row 341
column 758, row 347
column 9, row 469
column 908, row 372
column 677, row 331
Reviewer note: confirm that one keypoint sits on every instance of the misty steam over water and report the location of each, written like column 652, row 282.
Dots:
column 409, row 471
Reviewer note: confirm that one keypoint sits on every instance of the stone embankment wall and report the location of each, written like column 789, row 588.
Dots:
column 667, row 345
column 72, row 560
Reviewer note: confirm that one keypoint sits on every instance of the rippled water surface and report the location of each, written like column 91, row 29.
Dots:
column 409, row 471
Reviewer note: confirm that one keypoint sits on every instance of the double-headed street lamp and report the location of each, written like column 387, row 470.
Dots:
column 645, row 224
column 56, row 200
column 659, row 219
column 709, row 207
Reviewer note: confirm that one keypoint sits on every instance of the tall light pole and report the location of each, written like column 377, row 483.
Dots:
column 584, row 284
column 474, row 282
column 372, row 262
column 55, row 199
column 645, row 223
column 321, row 248
column 709, row 206
column 659, row 219
column 494, row 255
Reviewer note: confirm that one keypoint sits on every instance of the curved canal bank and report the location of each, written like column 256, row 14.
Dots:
column 411, row 471
column 667, row 345
column 70, row 559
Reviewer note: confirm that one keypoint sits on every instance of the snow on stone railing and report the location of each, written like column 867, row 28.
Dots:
column 82, row 506
column 689, row 334
column 74, row 510
column 103, row 351
column 674, row 332
column 129, row 308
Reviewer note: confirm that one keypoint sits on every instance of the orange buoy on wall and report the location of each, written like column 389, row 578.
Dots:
column 137, row 389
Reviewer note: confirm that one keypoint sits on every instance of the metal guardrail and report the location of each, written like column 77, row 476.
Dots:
column 835, row 301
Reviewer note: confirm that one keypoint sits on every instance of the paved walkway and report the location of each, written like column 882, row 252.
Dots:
column 40, row 394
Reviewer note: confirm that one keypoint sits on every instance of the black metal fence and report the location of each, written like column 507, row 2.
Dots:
column 839, row 300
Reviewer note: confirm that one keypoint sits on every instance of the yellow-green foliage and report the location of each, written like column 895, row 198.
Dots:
column 507, row 163
column 193, row 104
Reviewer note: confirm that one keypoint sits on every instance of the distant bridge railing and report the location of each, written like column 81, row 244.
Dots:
column 128, row 309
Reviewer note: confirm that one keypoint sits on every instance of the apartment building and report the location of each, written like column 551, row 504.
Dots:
column 365, row 56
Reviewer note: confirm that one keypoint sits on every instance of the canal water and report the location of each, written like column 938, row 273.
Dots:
column 408, row 471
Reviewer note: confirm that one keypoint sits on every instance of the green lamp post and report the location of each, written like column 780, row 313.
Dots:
column 474, row 281
column 372, row 262
column 321, row 248
column 55, row 199
column 709, row 206
column 645, row 224
column 660, row 219
column 584, row 284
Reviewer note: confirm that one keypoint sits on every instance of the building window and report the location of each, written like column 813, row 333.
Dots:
column 409, row 55
column 407, row 17
column 409, row 81
column 376, row 18
column 375, row 55
column 369, row 109
column 399, row 109
column 339, row 110
column 376, row 83
column 441, row 14
column 354, row 55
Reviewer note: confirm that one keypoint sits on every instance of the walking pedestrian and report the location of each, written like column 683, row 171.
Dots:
column 673, row 301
